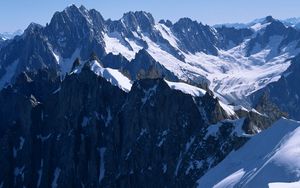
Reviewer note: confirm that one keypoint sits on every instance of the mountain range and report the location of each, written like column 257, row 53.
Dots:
column 90, row 102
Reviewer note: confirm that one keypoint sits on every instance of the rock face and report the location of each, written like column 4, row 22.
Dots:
column 85, row 132
column 273, row 28
column 285, row 92
column 232, row 37
column 195, row 36
column 1, row 42
column 144, row 66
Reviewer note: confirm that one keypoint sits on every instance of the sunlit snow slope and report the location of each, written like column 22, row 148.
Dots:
column 269, row 159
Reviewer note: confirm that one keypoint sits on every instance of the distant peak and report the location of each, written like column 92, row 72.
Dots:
column 167, row 23
column 33, row 27
column 71, row 6
column 269, row 19
column 137, row 13
column 139, row 16
column 187, row 22
column 82, row 7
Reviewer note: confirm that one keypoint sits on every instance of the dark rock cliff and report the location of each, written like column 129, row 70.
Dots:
column 85, row 132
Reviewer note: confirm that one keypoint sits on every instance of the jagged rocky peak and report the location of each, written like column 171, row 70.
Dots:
column 145, row 66
column 70, row 14
column 139, row 20
column 265, row 30
column 83, row 9
column 78, row 17
column 232, row 37
column 191, row 25
column 33, row 28
column 92, row 16
column 196, row 37
column 73, row 10
column 97, row 18
column 273, row 26
column 186, row 23
column 275, row 23
column 114, row 61
column 269, row 19
column 167, row 23
column 141, row 65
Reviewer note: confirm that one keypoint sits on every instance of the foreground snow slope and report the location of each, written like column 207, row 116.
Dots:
column 269, row 159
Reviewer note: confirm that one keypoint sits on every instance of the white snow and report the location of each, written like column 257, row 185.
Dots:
column 178, row 164
column 228, row 109
column 56, row 91
column 284, row 185
column 212, row 130
column 40, row 173
column 230, row 181
column 232, row 75
column 240, row 107
column 186, row 88
column 268, row 157
column 102, row 164
column 161, row 142
column 259, row 26
column 85, row 121
column 19, row 171
column 148, row 93
column 189, row 143
column 113, row 76
column 21, row 144
column 43, row 138
column 115, row 44
column 65, row 63
column 165, row 168
column 56, row 176
column 22, row 141
column 10, row 72
column 108, row 119
column 167, row 34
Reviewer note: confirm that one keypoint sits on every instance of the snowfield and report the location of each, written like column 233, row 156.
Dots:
column 186, row 88
column 232, row 74
column 115, row 77
column 269, row 159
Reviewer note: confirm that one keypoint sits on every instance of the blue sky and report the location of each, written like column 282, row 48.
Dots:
column 17, row 14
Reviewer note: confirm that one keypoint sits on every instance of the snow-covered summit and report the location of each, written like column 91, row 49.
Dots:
column 113, row 76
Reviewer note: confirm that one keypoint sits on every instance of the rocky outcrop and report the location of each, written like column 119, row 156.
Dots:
column 262, row 116
column 284, row 93
column 144, row 66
